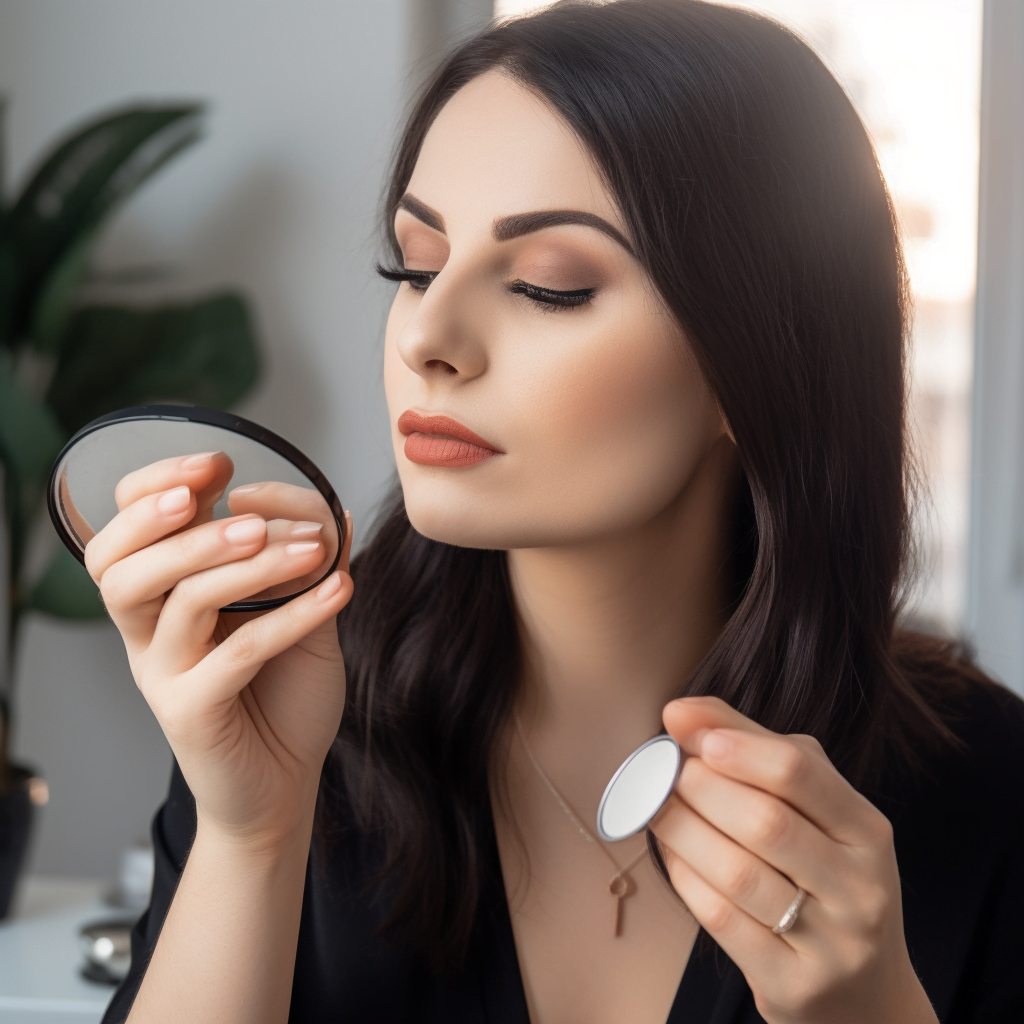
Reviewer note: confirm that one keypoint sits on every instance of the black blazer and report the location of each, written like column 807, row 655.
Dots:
column 959, row 832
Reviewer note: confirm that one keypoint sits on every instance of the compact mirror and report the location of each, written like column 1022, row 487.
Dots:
column 268, row 476
column 639, row 788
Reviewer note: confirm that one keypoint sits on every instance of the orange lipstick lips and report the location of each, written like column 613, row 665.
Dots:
column 442, row 441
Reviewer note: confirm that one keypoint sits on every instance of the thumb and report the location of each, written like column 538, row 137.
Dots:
column 688, row 719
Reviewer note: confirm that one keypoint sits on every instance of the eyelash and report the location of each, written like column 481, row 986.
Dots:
column 548, row 298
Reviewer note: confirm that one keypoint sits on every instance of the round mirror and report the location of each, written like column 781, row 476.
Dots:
column 264, row 474
column 639, row 788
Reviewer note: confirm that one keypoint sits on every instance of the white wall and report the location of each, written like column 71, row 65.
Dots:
column 996, row 584
column 280, row 200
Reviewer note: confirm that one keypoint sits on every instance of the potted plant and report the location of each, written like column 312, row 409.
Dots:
column 65, row 360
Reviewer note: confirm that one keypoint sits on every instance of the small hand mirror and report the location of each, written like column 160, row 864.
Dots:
column 268, row 476
column 639, row 789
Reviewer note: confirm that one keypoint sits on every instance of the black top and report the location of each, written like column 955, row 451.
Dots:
column 959, row 831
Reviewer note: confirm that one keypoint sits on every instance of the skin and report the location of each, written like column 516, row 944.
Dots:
column 610, row 494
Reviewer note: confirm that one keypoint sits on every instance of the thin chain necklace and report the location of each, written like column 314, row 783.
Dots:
column 621, row 884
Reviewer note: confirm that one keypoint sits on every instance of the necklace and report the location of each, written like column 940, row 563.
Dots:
column 621, row 884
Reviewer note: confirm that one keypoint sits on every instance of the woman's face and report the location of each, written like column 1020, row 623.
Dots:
column 543, row 340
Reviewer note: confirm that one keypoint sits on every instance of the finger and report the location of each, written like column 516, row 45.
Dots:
column 140, row 524
column 273, row 499
column 206, row 499
column 748, row 943
column 767, row 827
column 749, row 882
column 688, row 718
column 134, row 587
column 132, row 584
column 233, row 663
column 795, row 769
column 288, row 531
column 190, row 614
column 203, row 473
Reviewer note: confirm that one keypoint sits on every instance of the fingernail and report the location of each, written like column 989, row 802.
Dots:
column 197, row 461
column 329, row 587
column 305, row 530
column 247, row 489
column 301, row 549
column 175, row 500
column 715, row 745
column 247, row 531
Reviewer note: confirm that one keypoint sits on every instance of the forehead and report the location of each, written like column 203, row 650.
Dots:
column 496, row 148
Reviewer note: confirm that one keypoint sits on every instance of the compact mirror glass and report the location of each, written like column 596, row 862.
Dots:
column 639, row 788
column 266, row 475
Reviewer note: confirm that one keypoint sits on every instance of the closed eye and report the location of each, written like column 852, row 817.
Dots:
column 419, row 281
column 551, row 296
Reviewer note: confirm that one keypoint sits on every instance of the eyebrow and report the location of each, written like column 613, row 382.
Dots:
column 504, row 229
column 422, row 212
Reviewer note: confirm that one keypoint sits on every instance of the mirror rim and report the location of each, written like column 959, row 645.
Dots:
column 215, row 418
column 660, row 738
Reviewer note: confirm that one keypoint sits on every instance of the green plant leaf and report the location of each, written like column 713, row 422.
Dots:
column 30, row 438
column 74, row 190
column 54, row 302
column 66, row 590
column 6, row 287
column 202, row 353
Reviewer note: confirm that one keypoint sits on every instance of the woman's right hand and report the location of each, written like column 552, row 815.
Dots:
column 249, row 702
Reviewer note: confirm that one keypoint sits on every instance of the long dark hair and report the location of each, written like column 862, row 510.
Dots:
column 754, row 201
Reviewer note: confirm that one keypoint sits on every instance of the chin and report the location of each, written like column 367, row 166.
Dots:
column 497, row 523
column 452, row 515
column 462, row 523
column 559, row 507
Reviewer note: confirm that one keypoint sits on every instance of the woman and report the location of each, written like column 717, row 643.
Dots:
column 645, row 368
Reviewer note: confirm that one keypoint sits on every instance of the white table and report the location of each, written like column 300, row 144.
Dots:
column 40, row 956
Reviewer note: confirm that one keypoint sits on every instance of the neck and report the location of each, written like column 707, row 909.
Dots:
column 611, row 629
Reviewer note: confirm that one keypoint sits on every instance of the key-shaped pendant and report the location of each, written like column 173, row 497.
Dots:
column 619, row 888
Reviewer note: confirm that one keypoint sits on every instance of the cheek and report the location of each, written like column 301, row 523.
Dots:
column 604, row 420
column 617, row 423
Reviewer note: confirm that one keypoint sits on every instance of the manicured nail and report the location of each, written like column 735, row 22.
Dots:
column 329, row 587
column 715, row 745
column 247, row 489
column 197, row 461
column 301, row 549
column 175, row 500
column 305, row 530
column 246, row 531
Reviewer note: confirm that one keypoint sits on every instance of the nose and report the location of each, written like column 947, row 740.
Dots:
column 444, row 336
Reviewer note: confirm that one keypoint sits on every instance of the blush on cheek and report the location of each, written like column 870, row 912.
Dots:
column 615, row 438
column 633, row 402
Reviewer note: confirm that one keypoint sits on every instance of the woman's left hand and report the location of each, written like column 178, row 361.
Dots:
column 756, row 814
